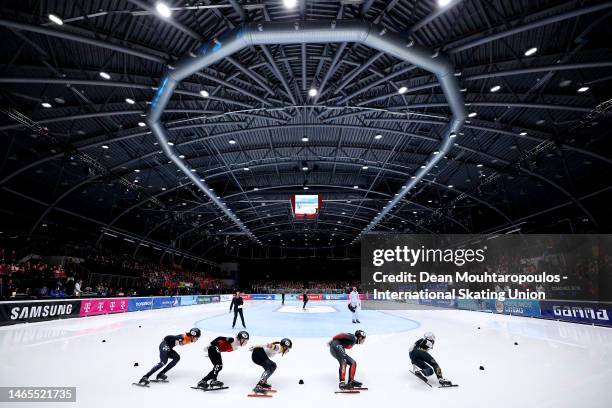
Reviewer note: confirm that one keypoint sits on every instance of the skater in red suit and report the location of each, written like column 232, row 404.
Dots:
column 337, row 347
column 218, row 346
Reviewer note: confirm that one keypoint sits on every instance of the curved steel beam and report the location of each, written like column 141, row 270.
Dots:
column 54, row 204
column 87, row 144
column 387, row 196
column 84, row 40
column 309, row 32
column 347, row 163
column 484, row 39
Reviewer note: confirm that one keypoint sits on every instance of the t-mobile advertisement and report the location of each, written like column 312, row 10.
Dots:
column 92, row 307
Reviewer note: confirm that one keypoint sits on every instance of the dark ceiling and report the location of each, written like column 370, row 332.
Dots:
column 534, row 158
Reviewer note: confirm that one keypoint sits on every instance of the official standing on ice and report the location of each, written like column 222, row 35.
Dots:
column 354, row 304
column 237, row 303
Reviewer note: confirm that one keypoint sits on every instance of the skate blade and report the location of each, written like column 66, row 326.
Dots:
column 260, row 395
column 448, row 386
column 360, row 388
column 141, row 385
column 210, row 389
column 159, row 381
column 421, row 378
column 353, row 391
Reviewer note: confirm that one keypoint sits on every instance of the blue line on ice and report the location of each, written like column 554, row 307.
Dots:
column 262, row 319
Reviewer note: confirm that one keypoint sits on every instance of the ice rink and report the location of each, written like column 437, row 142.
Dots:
column 555, row 364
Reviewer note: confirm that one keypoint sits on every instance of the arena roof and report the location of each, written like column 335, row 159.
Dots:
column 532, row 156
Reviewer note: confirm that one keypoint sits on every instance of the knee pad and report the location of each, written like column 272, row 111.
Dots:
column 427, row 371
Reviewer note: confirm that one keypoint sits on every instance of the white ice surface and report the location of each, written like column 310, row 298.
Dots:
column 554, row 365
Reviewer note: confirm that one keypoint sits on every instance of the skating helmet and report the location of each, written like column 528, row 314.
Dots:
column 430, row 339
column 243, row 337
column 360, row 335
column 195, row 332
column 286, row 343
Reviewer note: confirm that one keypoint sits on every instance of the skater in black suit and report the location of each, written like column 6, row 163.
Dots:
column 167, row 352
column 423, row 363
column 305, row 296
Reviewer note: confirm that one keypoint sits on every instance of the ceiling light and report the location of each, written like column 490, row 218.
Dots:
column 193, row 170
column 479, row 165
column 181, row 156
column 364, row 167
column 495, row 88
column 312, row 92
column 290, row 3
column 130, row 101
column 142, row 124
column 104, row 146
column 378, row 137
column 355, row 187
column 452, row 135
column 232, row 141
column 472, row 114
column 204, row 93
column 55, row 19
column 105, row 75
column 402, row 90
column 170, row 144
column 304, row 139
column 450, row 186
column 46, row 105
column 137, row 170
column 583, row 89
column 163, row 9
column 246, row 169
column 531, row 51
column 305, row 168
column 305, row 187
column 436, row 152
column 444, row 3
column 523, row 134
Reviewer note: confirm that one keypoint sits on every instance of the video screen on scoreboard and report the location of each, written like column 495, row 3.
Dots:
column 306, row 204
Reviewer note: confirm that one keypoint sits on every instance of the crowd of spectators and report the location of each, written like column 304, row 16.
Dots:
column 101, row 276
column 297, row 286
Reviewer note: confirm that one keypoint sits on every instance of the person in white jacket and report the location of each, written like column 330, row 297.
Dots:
column 354, row 304
column 77, row 288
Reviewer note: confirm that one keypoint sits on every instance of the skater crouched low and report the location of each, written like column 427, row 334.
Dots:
column 261, row 356
column 337, row 347
column 166, row 351
column 423, row 363
column 216, row 347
